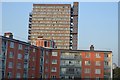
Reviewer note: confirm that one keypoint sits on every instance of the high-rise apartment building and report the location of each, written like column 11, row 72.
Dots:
column 55, row 21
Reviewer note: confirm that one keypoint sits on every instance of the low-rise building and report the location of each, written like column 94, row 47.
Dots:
column 19, row 59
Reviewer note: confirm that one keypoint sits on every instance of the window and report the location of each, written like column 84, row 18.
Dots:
column 46, row 53
column 32, row 76
column 19, row 56
column 87, row 70
column 33, row 58
column 63, row 70
column 46, row 61
column 87, row 55
column 9, row 74
column 53, row 76
column 24, row 75
column 33, row 67
column 97, row 78
column 97, row 55
column 34, row 50
column 54, row 61
column 20, row 46
column 54, row 69
column 10, row 65
column 54, row 53
column 18, row 65
column 106, row 63
column 18, row 75
column 106, row 55
column 45, row 44
column 11, row 55
column 11, row 44
column 87, row 62
column 97, row 71
column 97, row 63
column 46, row 76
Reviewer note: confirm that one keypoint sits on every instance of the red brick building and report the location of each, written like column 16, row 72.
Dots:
column 21, row 60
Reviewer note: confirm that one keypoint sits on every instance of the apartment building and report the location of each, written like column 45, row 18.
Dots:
column 20, row 59
column 55, row 21
column 74, row 64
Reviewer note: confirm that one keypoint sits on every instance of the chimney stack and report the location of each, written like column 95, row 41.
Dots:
column 92, row 48
column 9, row 35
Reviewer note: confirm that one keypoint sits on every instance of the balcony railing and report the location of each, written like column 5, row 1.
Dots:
column 70, row 65
column 70, row 57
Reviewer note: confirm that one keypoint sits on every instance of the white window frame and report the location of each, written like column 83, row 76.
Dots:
column 20, row 46
column 11, row 54
column 54, row 61
column 54, row 53
column 54, row 69
column 19, row 56
column 97, row 63
column 97, row 71
column 19, row 65
column 97, row 55
column 11, row 44
column 18, row 75
column 87, row 63
column 10, row 65
column 87, row 70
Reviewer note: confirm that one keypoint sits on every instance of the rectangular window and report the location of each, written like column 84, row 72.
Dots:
column 87, row 63
column 19, row 56
column 53, row 76
column 54, row 61
column 54, row 69
column 105, row 55
column 33, row 58
column 18, row 75
column 18, row 65
column 46, row 76
column 63, row 70
column 87, row 55
column 34, row 50
column 20, row 46
column 11, row 44
column 46, row 61
column 9, row 74
column 97, row 55
column 33, row 67
column 10, row 65
column 46, row 53
column 97, row 71
column 11, row 55
column 87, row 70
column 97, row 63
column 106, row 63
column 45, row 43
column 54, row 53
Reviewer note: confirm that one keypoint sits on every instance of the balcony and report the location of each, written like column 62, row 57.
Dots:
column 29, row 25
column 30, row 19
column 70, row 73
column 70, row 57
column 3, row 57
column 30, row 14
column 25, row 61
column 70, row 65
column 29, row 31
